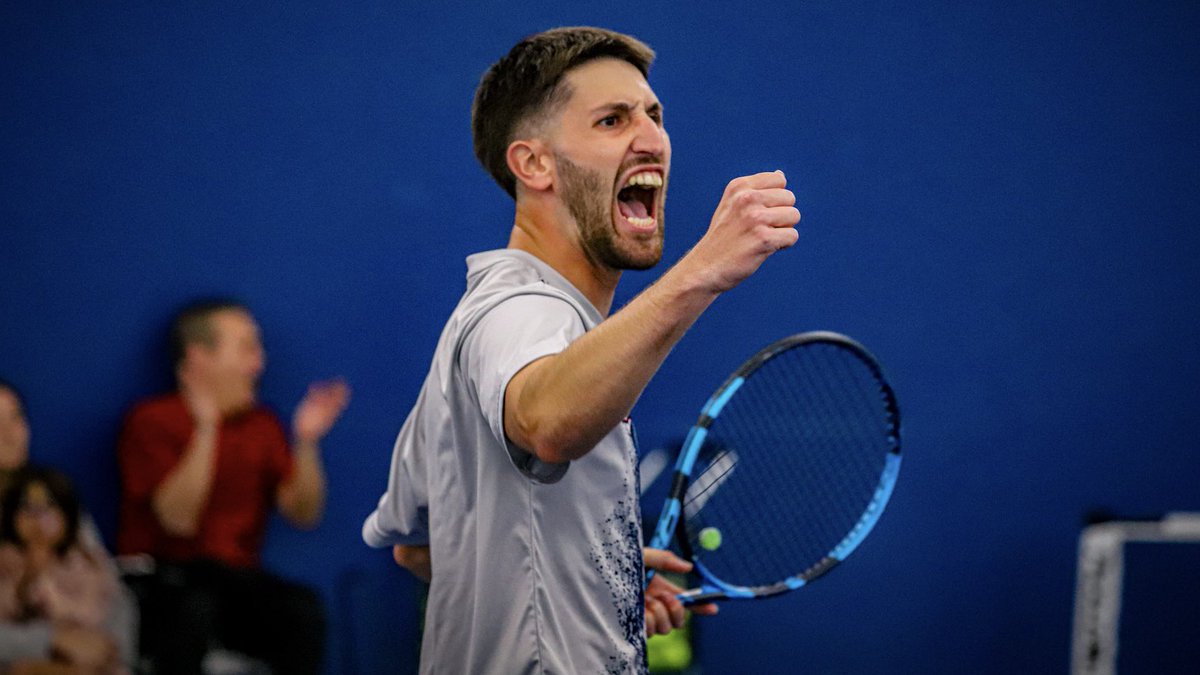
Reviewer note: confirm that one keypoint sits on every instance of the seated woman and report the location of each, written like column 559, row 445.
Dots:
column 48, row 572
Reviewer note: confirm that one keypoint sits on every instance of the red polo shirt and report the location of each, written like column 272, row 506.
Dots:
column 252, row 460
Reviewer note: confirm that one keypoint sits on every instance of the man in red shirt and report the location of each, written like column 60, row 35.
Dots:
column 201, row 470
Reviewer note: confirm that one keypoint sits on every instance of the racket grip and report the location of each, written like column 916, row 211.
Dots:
column 698, row 598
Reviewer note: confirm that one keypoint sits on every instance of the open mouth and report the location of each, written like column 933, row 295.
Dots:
column 636, row 200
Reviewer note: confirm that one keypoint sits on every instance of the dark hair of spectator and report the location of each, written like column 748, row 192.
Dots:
column 193, row 324
column 61, row 491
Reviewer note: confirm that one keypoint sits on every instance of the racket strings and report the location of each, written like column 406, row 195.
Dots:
column 789, row 466
column 706, row 484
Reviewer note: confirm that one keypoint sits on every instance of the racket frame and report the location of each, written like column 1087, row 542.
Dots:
column 668, row 526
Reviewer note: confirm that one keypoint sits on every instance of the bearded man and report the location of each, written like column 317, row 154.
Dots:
column 513, row 486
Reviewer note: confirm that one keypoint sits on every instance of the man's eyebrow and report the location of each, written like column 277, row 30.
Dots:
column 613, row 106
column 625, row 107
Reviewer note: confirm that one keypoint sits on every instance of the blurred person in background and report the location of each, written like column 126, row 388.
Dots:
column 49, row 572
column 202, row 469
column 14, row 432
column 33, row 642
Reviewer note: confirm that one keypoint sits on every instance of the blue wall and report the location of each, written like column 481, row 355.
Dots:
column 1000, row 199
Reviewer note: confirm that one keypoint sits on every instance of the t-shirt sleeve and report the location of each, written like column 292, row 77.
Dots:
column 402, row 515
column 509, row 337
column 147, row 450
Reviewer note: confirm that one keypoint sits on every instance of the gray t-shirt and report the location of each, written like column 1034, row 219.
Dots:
column 537, row 568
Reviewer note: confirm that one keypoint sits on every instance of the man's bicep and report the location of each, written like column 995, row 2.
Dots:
column 500, row 357
column 514, row 430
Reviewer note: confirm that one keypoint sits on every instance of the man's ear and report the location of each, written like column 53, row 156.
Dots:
column 531, row 163
column 194, row 355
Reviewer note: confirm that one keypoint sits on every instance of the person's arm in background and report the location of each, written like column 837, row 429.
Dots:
column 180, row 498
column 301, row 497
column 122, row 620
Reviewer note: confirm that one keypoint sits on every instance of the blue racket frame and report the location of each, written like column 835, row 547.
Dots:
column 712, row 588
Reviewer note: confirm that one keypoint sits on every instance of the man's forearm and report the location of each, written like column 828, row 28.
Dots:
column 302, row 498
column 567, row 402
column 181, row 497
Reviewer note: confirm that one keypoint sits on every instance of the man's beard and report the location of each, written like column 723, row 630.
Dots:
column 590, row 204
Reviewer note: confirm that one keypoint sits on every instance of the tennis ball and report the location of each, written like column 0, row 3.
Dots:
column 710, row 539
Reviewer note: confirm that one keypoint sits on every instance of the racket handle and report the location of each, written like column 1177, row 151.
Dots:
column 698, row 598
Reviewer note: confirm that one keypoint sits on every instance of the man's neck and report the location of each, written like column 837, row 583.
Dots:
column 548, row 237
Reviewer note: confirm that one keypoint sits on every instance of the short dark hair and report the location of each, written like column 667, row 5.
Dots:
column 527, row 82
column 62, row 491
column 193, row 324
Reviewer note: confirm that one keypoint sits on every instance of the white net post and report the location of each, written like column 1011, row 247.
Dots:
column 1101, row 572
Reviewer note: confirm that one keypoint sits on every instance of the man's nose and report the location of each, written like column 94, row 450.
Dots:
column 650, row 137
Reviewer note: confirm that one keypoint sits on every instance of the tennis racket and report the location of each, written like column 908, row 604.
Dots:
column 787, row 470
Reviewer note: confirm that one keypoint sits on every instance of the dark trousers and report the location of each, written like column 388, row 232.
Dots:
column 187, row 608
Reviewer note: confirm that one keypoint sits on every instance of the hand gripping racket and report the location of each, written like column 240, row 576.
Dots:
column 787, row 470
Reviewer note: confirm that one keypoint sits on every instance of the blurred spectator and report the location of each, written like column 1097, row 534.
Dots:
column 48, row 572
column 201, row 470
column 37, row 644
column 14, row 432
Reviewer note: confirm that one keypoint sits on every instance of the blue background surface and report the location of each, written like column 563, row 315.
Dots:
column 1000, row 200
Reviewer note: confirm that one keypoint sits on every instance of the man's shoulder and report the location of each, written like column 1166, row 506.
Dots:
column 496, row 276
column 505, row 267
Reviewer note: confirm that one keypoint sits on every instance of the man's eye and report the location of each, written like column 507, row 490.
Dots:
column 610, row 121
